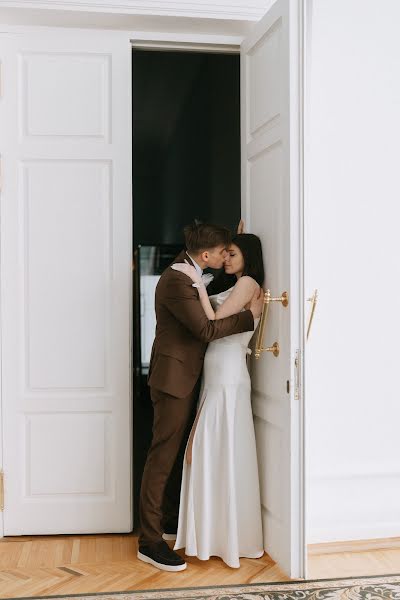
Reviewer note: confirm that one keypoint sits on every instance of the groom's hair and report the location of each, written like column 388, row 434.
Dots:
column 203, row 236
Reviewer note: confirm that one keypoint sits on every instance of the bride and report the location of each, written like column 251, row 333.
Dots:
column 220, row 508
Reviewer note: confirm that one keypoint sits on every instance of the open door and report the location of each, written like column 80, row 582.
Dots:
column 271, row 208
column 66, row 255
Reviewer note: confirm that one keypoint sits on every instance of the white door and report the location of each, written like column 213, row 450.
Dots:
column 65, row 281
column 271, row 200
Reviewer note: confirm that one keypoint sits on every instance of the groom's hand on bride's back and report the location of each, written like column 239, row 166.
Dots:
column 257, row 303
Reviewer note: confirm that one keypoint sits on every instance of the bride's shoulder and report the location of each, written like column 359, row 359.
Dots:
column 246, row 282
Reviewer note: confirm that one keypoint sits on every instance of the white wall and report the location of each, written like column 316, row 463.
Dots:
column 352, row 256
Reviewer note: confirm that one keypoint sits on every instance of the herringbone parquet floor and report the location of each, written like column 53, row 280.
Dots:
column 51, row 565
column 42, row 566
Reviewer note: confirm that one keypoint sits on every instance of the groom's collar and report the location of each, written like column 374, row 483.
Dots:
column 196, row 266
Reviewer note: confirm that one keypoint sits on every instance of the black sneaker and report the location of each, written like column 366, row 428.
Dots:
column 161, row 556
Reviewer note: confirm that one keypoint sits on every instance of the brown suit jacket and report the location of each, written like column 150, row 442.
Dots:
column 183, row 332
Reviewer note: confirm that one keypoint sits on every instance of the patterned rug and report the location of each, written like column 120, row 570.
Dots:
column 384, row 587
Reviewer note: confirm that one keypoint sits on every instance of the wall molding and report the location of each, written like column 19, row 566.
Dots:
column 336, row 533
column 224, row 9
column 354, row 546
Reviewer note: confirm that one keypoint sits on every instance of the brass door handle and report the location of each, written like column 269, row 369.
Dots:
column 313, row 301
column 284, row 299
column 274, row 349
column 261, row 328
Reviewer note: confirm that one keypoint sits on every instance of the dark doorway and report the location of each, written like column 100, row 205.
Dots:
column 186, row 165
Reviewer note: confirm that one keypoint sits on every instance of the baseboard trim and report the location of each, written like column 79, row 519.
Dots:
column 353, row 546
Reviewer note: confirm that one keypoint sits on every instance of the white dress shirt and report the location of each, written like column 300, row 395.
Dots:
column 196, row 266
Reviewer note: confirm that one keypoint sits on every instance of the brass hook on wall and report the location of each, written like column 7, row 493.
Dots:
column 313, row 301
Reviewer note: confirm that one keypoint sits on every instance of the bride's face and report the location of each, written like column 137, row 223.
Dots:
column 234, row 262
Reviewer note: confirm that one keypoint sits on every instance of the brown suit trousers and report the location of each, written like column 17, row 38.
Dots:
column 161, row 483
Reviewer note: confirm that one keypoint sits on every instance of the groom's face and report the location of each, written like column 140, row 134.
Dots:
column 215, row 257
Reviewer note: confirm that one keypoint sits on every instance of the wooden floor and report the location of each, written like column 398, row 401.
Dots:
column 345, row 559
column 41, row 566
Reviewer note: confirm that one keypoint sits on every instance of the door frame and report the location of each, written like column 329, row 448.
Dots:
column 169, row 41
column 227, row 47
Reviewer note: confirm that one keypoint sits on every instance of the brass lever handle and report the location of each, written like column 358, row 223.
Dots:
column 261, row 328
column 313, row 301
column 274, row 349
column 284, row 299
column 261, row 331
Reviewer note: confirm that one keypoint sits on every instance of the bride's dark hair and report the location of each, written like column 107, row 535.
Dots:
column 250, row 246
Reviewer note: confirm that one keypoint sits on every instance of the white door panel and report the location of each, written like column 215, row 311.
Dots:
column 271, row 163
column 66, row 282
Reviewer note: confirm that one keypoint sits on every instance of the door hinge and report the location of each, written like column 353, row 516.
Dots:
column 297, row 379
column 1, row 491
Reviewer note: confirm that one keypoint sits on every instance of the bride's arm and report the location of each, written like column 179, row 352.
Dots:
column 239, row 297
column 205, row 302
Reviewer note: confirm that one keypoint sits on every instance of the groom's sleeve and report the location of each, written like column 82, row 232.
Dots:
column 182, row 300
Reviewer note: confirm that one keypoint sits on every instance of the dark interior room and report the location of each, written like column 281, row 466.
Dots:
column 186, row 166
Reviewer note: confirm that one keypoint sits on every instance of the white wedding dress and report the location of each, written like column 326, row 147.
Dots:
column 220, row 509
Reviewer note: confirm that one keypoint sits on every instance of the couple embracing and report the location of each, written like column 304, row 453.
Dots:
column 200, row 484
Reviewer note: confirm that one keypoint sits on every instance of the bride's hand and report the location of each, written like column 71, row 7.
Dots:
column 188, row 270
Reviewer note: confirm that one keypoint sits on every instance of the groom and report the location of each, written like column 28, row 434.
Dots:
column 182, row 334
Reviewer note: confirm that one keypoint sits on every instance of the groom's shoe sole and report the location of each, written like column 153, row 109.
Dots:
column 161, row 566
column 169, row 537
